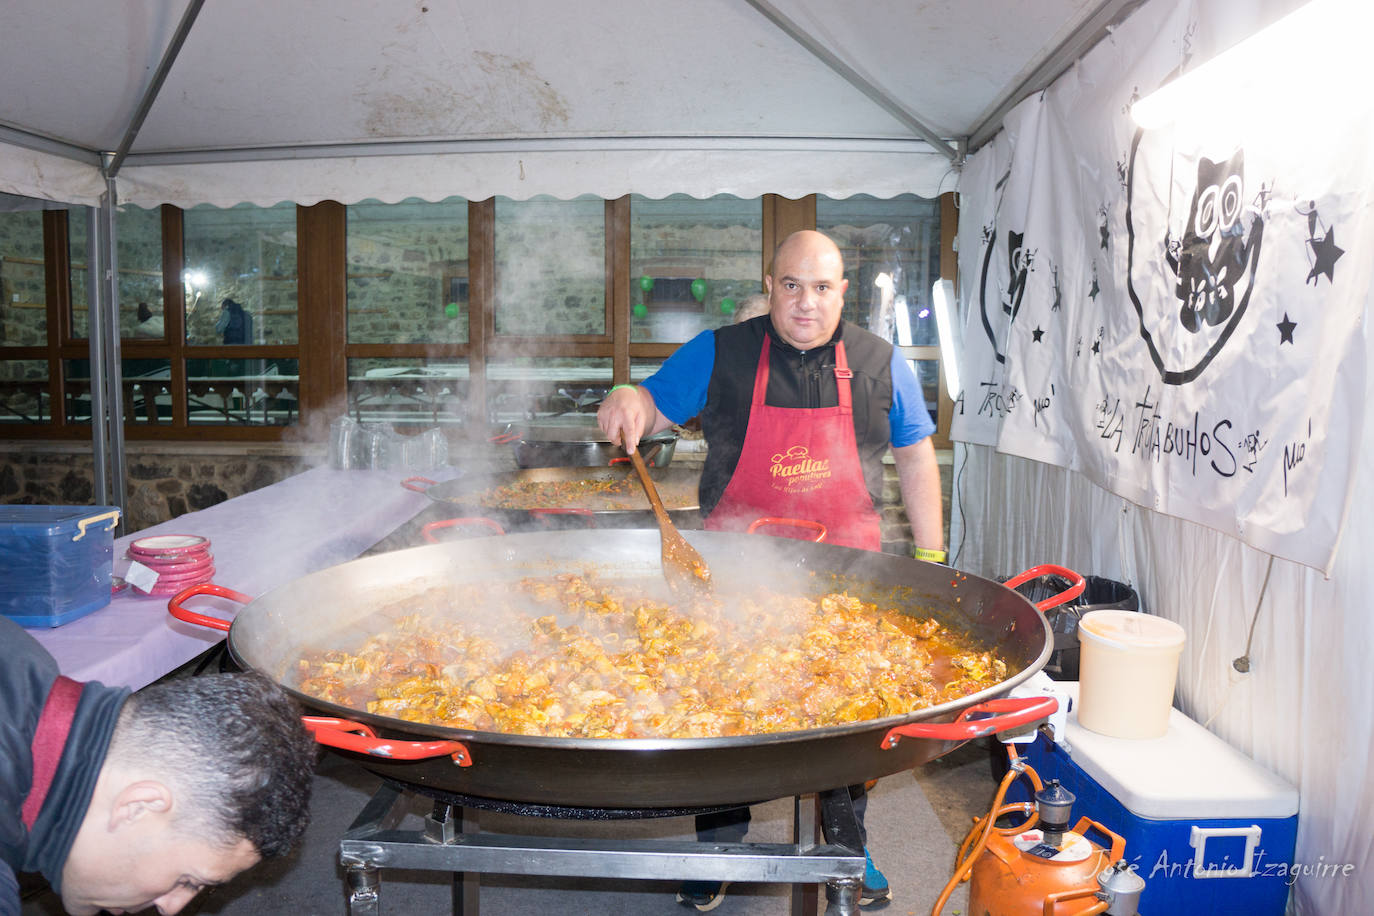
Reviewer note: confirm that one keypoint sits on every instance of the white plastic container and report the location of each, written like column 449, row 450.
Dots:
column 1128, row 664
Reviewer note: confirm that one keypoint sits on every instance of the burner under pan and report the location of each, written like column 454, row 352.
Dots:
column 559, row 812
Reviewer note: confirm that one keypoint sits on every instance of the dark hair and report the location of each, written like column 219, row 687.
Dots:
column 233, row 750
column 144, row 313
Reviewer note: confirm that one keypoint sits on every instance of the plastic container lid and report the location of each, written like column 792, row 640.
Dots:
column 1131, row 630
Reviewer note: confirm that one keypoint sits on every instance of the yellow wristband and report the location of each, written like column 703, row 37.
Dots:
column 615, row 388
column 930, row 556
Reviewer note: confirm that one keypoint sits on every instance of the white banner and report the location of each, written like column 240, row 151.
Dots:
column 1183, row 323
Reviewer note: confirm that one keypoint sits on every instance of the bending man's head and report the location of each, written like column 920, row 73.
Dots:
column 204, row 777
column 806, row 287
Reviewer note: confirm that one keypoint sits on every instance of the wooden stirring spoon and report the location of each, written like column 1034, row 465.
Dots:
column 687, row 573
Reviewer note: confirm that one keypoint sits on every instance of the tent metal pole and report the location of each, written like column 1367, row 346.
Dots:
column 1089, row 32
column 95, row 338
column 145, row 105
column 532, row 145
column 38, row 143
column 107, row 402
column 877, row 94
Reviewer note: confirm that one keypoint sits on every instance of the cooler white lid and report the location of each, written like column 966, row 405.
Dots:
column 1186, row 773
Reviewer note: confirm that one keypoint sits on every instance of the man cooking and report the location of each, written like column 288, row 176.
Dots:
column 798, row 408
column 124, row 801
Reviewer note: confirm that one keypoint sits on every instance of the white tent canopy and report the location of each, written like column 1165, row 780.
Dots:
column 351, row 99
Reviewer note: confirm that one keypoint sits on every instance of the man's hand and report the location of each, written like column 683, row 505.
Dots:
column 625, row 414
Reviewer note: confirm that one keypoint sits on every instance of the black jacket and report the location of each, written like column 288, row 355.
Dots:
column 796, row 379
column 27, row 671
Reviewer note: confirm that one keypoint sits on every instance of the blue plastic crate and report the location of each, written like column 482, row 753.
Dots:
column 57, row 562
column 1208, row 829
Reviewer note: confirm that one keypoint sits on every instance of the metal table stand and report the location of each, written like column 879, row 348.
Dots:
column 449, row 841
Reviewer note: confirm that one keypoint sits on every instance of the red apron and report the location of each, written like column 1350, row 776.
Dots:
column 801, row 462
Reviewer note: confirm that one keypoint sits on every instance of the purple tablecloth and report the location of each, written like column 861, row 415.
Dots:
column 260, row 540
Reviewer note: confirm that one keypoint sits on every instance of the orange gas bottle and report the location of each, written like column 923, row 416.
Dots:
column 1021, row 874
column 1047, row 870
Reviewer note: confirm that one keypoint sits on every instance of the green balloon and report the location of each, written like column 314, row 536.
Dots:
column 640, row 310
column 698, row 289
column 727, row 306
column 451, row 310
column 646, row 283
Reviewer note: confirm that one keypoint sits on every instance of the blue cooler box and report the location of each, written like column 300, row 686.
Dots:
column 1208, row 829
column 57, row 562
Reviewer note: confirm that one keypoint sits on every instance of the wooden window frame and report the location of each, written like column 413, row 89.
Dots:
column 322, row 348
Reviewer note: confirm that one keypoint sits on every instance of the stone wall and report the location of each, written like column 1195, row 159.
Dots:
column 165, row 481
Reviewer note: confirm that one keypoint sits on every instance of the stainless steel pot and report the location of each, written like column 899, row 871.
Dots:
column 272, row 632
column 576, row 441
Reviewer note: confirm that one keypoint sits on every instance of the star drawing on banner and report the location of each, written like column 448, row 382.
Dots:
column 1092, row 293
column 1037, row 334
column 1097, row 347
column 1326, row 253
column 1286, row 327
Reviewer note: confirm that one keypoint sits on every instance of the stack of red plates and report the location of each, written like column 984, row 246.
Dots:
column 180, row 560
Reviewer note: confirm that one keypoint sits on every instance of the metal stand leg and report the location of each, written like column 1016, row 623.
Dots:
column 840, row 825
column 363, row 876
column 806, row 831
column 842, row 897
column 364, row 890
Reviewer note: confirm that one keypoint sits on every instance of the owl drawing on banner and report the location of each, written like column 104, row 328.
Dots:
column 1190, row 284
column 1211, row 257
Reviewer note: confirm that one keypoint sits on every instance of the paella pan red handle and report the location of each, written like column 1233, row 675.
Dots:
column 1006, row 713
column 409, row 484
column 769, row 521
column 429, row 529
column 347, row 735
column 205, row 588
column 1076, row 586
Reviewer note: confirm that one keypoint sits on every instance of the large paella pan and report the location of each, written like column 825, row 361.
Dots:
column 272, row 633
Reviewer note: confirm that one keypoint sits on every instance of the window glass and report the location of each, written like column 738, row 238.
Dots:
column 529, row 388
column 407, row 391
column 928, row 374
column 138, row 249
column 408, row 272
column 77, row 382
column 24, row 391
column 691, row 263
column 240, row 274
column 242, row 392
column 640, row 369
column 891, row 258
column 23, row 291
column 147, row 391
column 550, row 266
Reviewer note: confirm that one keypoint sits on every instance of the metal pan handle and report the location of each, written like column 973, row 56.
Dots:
column 429, row 529
column 767, row 520
column 347, row 735
column 409, row 484
column 1049, row 569
column 205, row 588
column 1007, row 713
